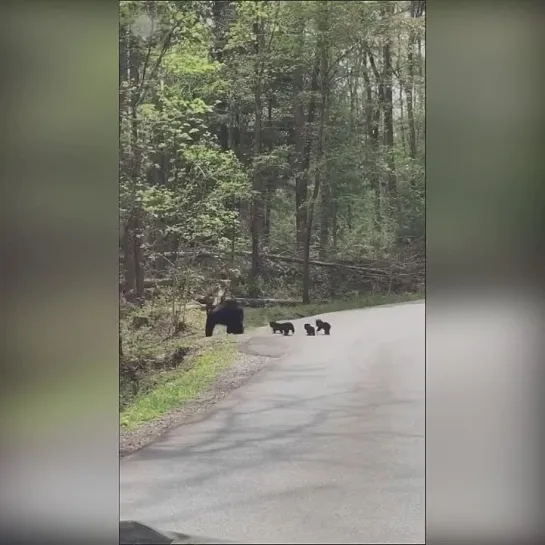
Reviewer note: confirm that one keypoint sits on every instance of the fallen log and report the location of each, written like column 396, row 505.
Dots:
column 260, row 303
column 155, row 282
column 393, row 270
column 291, row 259
column 253, row 302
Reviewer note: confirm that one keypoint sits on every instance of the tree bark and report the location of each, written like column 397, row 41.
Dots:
column 136, row 226
column 410, row 103
column 220, row 11
column 131, row 239
column 325, row 219
column 402, row 119
column 372, row 121
column 323, row 87
column 299, row 135
column 257, row 198
column 334, row 229
column 416, row 9
column 301, row 191
column 129, row 275
column 270, row 179
column 389, row 115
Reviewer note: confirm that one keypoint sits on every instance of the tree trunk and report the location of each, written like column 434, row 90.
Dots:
column 257, row 198
column 236, row 135
column 270, row 191
column 232, row 123
column 270, row 179
column 325, row 219
column 334, row 228
column 372, row 121
column 305, row 167
column 409, row 87
column 136, row 224
column 137, row 257
column 220, row 12
column 352, row 89
column 326, row 212
column 410, row 112
column 389, row 121
column 124, row 112
column 323, row 84
column 389, row 126
column 401, row 105
column 129, row 275
column 299, row 135
column 402, row 119
column 134, row 274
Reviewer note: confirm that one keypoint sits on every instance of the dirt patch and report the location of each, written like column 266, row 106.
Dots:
column 232, row 378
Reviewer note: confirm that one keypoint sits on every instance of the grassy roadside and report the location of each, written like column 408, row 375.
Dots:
column 176, row 387
column 204, row 362
column 256, row 317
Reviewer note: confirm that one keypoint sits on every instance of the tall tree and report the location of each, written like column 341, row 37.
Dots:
column 321, row 77
column 251, row 129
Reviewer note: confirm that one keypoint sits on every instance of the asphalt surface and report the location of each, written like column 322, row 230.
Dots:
column 325, row 445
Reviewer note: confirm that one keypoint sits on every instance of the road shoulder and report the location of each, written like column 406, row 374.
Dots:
column 249, row 361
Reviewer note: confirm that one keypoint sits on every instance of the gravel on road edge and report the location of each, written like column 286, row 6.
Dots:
column 244, row 368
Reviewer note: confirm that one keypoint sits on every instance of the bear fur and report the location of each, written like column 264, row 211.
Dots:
column 229, row 314
column 285, row 328
column 321, row 325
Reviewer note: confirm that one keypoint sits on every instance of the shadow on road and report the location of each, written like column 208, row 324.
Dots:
column 238, row 441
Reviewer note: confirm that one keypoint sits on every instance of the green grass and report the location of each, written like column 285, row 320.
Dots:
column 256, row 317
column 176, row 388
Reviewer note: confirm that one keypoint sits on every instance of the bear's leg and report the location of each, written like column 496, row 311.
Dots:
column 210, row 323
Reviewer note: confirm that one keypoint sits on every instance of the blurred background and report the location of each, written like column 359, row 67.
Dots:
column 59, row 464
column 484, row 218
column 484, row 311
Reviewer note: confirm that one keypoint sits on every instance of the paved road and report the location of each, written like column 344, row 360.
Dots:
column 325, row 445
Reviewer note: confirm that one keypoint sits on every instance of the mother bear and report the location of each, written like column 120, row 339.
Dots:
column 227, row 313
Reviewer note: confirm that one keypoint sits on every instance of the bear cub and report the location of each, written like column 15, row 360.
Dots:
column 285, row 327
column 321, row 325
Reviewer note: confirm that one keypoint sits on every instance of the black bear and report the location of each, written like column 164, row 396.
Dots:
column 285, row 328
column 323, row 325
column 310, row 330
column 228, row 313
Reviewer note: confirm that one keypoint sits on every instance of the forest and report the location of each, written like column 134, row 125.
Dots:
column 272, row 150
